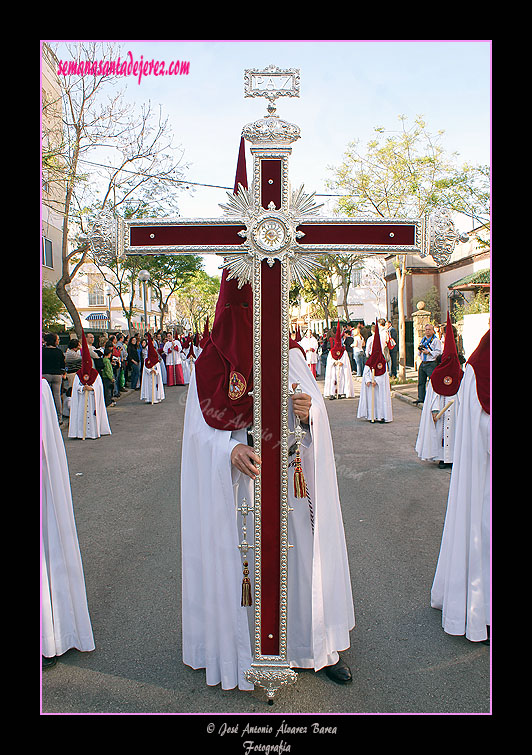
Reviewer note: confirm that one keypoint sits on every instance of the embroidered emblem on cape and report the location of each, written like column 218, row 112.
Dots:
column 380, row 366
column 237, row 386
column 447, row 380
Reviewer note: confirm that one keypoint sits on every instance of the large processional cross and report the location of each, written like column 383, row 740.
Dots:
column 268, row 236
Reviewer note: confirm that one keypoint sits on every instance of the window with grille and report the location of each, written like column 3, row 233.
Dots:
column 96, row 293
column 47, row 257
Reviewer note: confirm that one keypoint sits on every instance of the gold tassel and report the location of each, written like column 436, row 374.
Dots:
column 300, row 486
column 246, row 587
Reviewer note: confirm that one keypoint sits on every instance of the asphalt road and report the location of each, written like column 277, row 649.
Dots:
column 125, row 490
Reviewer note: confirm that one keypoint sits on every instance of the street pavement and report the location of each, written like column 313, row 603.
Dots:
column 125, row 490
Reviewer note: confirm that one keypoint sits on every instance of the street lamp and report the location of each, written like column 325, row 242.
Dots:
column 144, row 276
column 109, row 300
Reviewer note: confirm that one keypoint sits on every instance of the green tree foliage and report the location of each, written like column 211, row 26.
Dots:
column 406, row 173
column 479, row 304
column 197, row 300
column 51, row 308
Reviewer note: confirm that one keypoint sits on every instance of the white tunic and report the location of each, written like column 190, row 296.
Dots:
column 461, row 587
column 435, row 440
column 338, row 377
column 172, row 351
column 185, row 364
column 310, row 346
column 152, row 385
column 217, row 630
column 65, row 615
column 382, row 398
column 96, row 420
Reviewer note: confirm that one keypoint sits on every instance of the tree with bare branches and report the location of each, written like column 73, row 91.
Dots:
column 110, row 156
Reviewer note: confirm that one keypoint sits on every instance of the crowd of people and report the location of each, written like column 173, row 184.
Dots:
column 119, row 359
column 357, row 340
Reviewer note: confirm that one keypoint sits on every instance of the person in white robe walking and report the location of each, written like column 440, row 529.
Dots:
column 65, row 618
column 174, row 371
column 152, row 388
column 338, row 381
column 88, row 413
column 217, row 630
column 435, row 440
column 462, row 588
column 189, row 356
column 375, row 402
column 217, row 468
column 309, row 344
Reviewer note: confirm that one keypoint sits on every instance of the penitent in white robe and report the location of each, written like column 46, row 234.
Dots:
column 382, row 399
column 310, row 346
column 435, row 440
column 173, row 352
column 152, row 387
column 461, row 587
column 96, row 419
column 185, row 367
column 65, row 616
column 217, row 630
column 338, row 379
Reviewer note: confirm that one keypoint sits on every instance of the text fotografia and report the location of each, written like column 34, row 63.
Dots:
column 127, row 67
column 250, row 746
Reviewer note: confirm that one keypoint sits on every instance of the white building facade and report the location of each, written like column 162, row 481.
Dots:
column 100, row 307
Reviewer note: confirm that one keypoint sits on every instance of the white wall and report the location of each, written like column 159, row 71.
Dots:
column 474, row 328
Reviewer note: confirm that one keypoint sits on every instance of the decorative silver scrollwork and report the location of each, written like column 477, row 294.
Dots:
column 271, row 679
column 244, row 510
column 271, row 130
column 441, row 236
column 106, row 237
column 270, row 234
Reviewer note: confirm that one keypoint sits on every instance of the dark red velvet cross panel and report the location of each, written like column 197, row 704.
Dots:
column 186, row 235
column 271, row 427
column 374, row 234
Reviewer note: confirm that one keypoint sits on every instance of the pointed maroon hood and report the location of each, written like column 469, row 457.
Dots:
column 480, row 362
column 376, row 360
column 87, row 374
column 447, row 376
column 224, row 369
column 337, row 349
column 205, row 335
column 152, row 358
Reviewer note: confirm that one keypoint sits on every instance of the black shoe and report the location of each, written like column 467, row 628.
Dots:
column 487, row 640
column 339, row 673
column 48, row 662
column 332, row 398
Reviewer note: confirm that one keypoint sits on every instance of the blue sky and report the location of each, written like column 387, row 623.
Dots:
column 347, row 88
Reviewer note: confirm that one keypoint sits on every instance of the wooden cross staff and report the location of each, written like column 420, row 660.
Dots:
column 268, row 236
